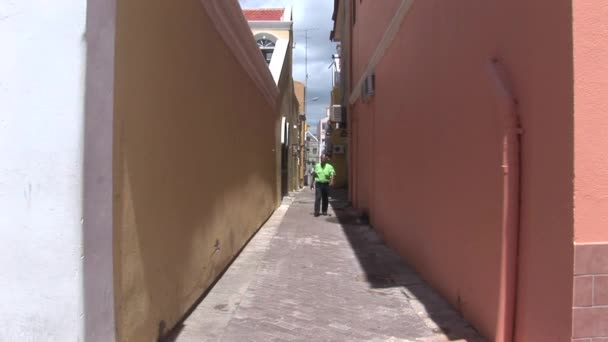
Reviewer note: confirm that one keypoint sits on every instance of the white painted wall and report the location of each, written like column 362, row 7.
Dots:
column 322, row 132
column 42, row 62
column 278, row 59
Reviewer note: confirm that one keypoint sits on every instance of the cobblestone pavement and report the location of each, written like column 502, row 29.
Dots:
column 303, row 278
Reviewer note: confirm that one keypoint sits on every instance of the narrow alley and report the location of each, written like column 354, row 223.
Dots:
column 330, row 278
column 157, row 158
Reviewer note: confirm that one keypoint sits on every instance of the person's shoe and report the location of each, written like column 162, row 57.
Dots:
column 317, row 215
column 324, row 214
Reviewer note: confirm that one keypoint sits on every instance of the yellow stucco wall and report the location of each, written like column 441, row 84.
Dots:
column 194, row 170
column 339, row 160
column 336, row 96
column 289, row 109
column 294, row 142
column 339, row 137
column 300, row 91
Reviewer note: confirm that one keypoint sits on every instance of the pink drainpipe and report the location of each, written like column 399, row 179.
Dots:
column 511, row 153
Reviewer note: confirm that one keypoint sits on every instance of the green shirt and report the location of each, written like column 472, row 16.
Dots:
column 324, row 174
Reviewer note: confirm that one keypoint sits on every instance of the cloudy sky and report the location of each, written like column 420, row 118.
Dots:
column 315, row 15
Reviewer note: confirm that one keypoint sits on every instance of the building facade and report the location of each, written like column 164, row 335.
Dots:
column 312, row 155
column 273, row 32
column 475, row 132
column 322, row 133
column 337, row 132
column 136, row 164
column 300, row 90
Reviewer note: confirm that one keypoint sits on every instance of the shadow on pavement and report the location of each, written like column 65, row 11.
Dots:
column 384, row 268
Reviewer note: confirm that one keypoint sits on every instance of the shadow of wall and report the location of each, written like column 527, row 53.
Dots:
column 428, row 152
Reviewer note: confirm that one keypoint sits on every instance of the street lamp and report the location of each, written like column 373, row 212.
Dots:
column 312, row 100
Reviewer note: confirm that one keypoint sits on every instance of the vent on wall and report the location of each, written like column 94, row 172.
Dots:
column 369, row 87
column 336, row 113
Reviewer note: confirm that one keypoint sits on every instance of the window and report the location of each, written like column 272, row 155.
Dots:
column 314, row 150
column 267, row 55
column 266, row 43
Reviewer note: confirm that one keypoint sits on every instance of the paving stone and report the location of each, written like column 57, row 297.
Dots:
column 321, row 279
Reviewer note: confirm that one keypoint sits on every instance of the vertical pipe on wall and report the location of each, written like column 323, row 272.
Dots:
column 511, row 152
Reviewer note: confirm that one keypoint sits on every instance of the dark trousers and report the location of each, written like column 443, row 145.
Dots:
column 321, row 193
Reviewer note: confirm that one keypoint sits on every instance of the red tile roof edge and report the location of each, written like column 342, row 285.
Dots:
column 264, row 14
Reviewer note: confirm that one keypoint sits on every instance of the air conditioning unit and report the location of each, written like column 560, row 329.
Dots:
column 369, row 86
column 336, row 114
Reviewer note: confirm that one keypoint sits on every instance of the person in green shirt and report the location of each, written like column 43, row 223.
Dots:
column 324, row 178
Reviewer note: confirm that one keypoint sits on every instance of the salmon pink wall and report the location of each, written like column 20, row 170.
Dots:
column 540, row 57
column 371, row 22
column 362, row 161
column 435, row 139
column 590, row 313
column 591, row 120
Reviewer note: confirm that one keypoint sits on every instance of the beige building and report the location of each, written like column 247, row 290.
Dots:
column 273, row 32
column 194, row 170
column 337, row 130
column 150, row 149
column 300, row 90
